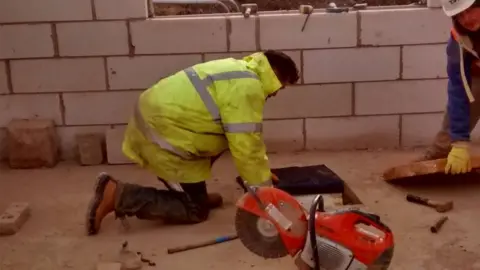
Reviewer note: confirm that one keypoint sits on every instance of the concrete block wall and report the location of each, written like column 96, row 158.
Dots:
column 370, row 79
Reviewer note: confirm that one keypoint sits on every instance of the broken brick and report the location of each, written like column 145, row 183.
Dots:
column 130, row 260
column 91, row 148
column 13, row 218
column 109, row 266
column 32, row 144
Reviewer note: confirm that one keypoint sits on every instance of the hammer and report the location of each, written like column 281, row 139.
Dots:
column 441, row 207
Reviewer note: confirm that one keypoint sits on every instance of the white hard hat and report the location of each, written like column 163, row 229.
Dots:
column 453, row 7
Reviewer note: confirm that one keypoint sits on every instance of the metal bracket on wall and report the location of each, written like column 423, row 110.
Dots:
column 332, row 8
column 249, row 9
column 360, row 6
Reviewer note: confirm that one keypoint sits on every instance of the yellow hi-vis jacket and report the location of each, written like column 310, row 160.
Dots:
column 197, row 113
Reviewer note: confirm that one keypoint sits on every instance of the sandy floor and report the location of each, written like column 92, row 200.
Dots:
column 54, row 236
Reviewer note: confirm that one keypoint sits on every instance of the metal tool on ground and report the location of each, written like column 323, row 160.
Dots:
column 438, row 225
column 215, row 241
column 271, row 223
column 441, row 207
column 308, row 10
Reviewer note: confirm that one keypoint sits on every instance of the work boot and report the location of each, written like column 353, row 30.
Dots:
column 215, row 200
column 102, row 203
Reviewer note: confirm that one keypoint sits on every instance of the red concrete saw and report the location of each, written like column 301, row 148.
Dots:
column 272, row 223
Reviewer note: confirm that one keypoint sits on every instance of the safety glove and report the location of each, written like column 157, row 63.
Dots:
column 458, row 160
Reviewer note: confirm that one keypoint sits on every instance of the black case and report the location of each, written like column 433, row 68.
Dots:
column 318, row 179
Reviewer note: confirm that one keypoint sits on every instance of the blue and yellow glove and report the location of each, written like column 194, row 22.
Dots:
column 458, row 160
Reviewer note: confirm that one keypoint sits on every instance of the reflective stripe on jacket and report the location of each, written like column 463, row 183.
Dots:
column 200, row 112
column 461, row 58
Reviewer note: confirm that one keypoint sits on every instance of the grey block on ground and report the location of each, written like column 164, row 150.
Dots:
column 91, row 148
column 32, row 143
column 14, row 217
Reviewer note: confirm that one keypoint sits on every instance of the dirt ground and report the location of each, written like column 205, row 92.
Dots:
column 54, row 237
column 269, row 5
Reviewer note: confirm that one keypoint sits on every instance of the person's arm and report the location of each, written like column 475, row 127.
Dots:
column 458, row 104
column 458, row 160
column 242, row 119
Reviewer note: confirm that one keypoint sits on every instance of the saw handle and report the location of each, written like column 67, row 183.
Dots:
column 252, row 192
column 242, row 184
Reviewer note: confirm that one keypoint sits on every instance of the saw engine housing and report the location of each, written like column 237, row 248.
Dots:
column 329, row 240
column 337, row 242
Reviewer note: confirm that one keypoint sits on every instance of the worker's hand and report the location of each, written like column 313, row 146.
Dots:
column 268, row 183
column 458, row 160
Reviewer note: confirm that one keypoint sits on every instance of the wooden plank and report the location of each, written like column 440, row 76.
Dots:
column 422, row 168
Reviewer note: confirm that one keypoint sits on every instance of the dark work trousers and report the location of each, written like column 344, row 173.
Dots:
column 171, row 206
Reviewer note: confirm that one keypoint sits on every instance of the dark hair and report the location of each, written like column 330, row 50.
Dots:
column 285, row 67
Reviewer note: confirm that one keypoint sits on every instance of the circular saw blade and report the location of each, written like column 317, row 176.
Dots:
column 267, row 245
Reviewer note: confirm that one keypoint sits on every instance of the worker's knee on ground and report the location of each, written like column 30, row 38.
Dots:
column 193, row 216
column 198, row 219
column 198, row 213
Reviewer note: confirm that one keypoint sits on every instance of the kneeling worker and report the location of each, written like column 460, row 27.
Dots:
column 463, row 109
column 181, row 125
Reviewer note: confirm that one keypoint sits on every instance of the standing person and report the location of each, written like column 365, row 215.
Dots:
column 463, row 108
column 182, row 124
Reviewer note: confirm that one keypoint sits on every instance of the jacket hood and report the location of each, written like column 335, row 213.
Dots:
column 259, row 64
